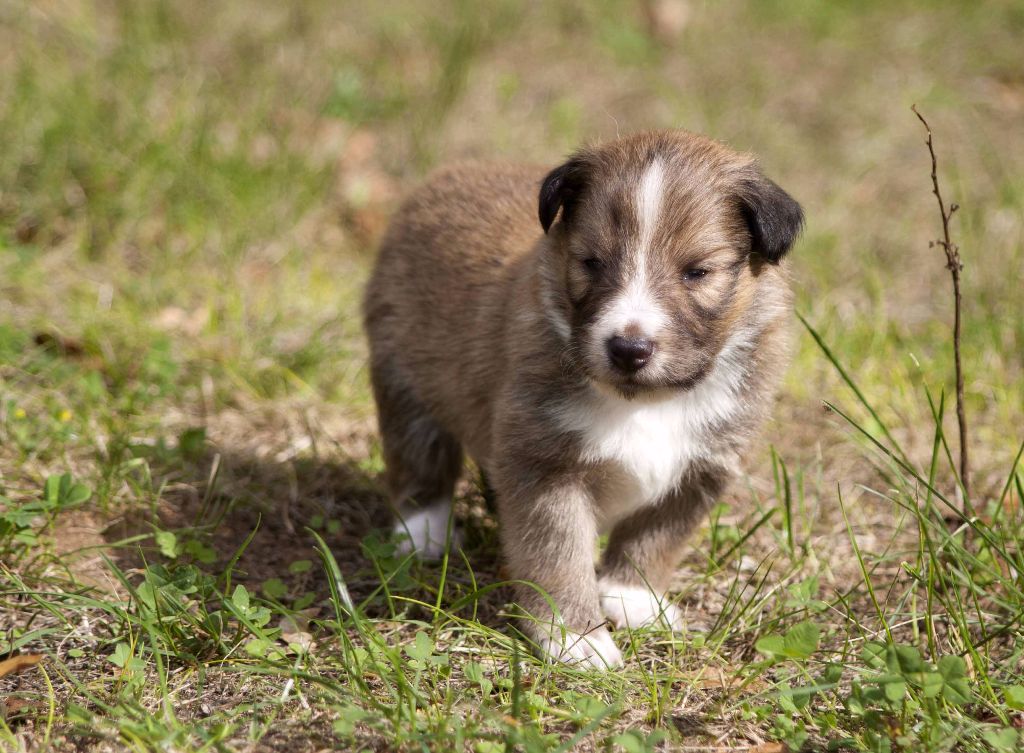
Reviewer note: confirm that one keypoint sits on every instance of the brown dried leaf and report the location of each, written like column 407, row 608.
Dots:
column 295, row 630
column 13, row 707
column 717, row 679
column 175, row 318
column 19, row 663
column 26, row 228
column 666, row 19
column 68, row 347
column 769, row 748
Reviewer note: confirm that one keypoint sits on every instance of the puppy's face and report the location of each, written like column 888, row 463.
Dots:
column 660, row 242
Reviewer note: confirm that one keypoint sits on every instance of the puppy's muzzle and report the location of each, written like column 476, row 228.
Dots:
column 629, row 354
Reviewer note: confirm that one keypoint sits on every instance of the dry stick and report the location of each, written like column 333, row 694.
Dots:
column 955, row 267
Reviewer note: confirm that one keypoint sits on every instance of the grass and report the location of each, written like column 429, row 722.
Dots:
column 190, row 517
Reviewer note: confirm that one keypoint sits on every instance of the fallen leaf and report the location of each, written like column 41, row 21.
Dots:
column 13, row 707
column 712, row 679
column 769, row 748
column 68, row 347
column 175, row 318
column 19, row 663
column 26, row 228
column 666, row 19
column 294, row 631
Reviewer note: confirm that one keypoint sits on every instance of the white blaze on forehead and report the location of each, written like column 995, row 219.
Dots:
column 635, row 305
column 648, row 204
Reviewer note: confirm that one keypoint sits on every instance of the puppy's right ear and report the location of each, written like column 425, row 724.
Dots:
column 773, row 216
column 560, row 189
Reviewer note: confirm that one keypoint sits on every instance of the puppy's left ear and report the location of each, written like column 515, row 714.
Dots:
column 772, row 215
column 560, row 189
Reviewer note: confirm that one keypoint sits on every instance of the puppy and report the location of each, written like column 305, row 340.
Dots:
column 606, row 367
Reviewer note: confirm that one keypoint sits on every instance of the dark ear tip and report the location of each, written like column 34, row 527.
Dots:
column 546, row 217
column 559, row 190
column 550, row 198
column 791, row 224
column 774, row 218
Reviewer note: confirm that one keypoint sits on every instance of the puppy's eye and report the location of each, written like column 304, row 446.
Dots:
column 593, row 264
column 694, row 273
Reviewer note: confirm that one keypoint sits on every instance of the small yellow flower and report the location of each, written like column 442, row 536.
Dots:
column 19, row 412
column 64, row 416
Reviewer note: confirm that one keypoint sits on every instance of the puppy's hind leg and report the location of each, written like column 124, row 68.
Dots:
column 423, row 462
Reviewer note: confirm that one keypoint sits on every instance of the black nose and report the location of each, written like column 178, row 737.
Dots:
column 630, row 354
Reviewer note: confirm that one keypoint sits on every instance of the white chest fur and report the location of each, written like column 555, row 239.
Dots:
column 650, row 444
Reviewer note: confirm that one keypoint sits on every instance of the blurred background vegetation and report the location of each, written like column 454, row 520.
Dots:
column 223, row 170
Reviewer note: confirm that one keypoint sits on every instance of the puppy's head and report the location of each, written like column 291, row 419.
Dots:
column 658, row 246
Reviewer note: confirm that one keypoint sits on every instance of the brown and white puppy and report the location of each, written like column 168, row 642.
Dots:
column 606, row 368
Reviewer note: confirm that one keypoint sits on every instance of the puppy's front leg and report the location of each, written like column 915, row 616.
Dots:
column 548, row 535
column 645, row 548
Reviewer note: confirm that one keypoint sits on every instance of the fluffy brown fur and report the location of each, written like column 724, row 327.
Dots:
column 606, row 367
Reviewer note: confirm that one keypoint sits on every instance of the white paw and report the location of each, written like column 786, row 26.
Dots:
column 592, row 650
column 423, row 531
column 633, row 607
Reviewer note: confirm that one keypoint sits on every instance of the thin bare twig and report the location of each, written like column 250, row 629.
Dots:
column 954, row 266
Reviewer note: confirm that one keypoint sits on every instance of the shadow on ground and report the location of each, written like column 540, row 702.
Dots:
column 256, row 515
